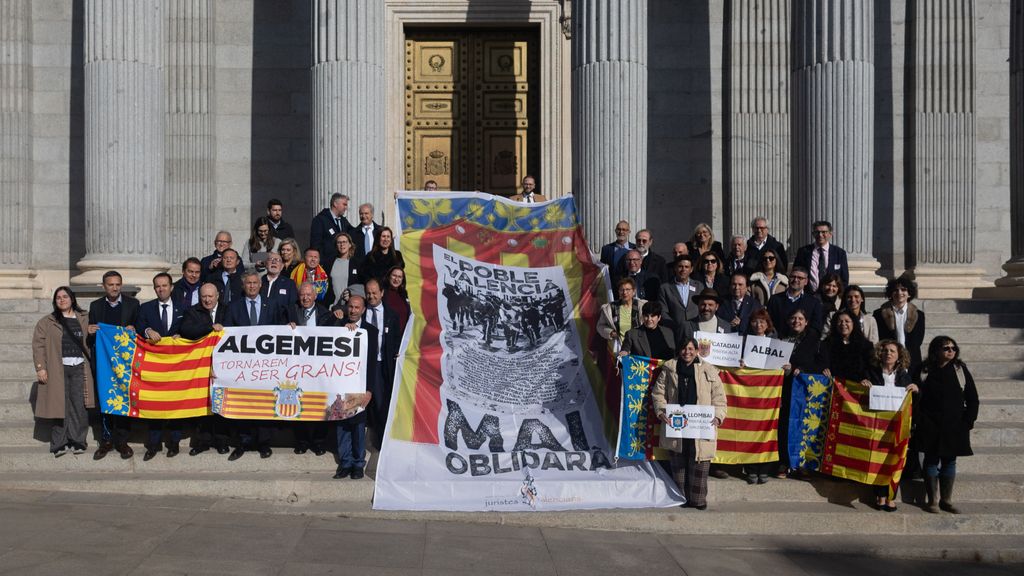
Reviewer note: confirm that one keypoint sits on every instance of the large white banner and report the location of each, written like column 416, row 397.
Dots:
column 281, row 373
column 519, row 428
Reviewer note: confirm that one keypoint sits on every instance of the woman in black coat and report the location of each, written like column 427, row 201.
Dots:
column 910, row 332
column 849, row 352
column 889, row 368
column 710, row 273
column 809, row 355
column 944, row 415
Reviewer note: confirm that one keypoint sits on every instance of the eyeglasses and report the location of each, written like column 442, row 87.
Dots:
column 711, row 261
column 758, row 227
column 950, row 348
column 821, row 232
column 769, row 258
column 222, row 241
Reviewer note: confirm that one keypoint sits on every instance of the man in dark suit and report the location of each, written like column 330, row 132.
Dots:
column 352, row 431
column 821, row 257
column 707, row 319
column 159, row 318
column 388, row 340
column 278, row 227
column 228, row 278
column 652, row 263
column 649, row 339
column 366, row 233
column 254, row 310
column 185, row 291
column 647, row 283
column 741, row 305
column 119, row 310
column 795, row 296
column 213, row 264
column 736, row 260
column 197, row 322
column 677, row 300
column 760, row 240
column 311, row 313
column 276, row 285
column 327, row 223
column 611, row 254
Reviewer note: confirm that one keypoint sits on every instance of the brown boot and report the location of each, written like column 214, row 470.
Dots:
column 931, row 486
column 125, row 451
column 946, row 491
column 103, row 449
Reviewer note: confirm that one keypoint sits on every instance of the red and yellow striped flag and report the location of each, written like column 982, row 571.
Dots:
column 864, row 445
column 750, row 434
column 264, row 405
column 170, row 379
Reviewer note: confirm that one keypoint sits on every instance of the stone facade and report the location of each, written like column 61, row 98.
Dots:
column 704, row 108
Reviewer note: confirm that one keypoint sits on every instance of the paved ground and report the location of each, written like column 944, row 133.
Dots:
column 82, row 533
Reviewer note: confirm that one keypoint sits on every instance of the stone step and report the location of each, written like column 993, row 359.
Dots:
column 37, row 459
column 972, row 306
column 961, row 320
column 998, row 435
column 975, row 335
column 977, row 352
column 1001, row 411
column 999, row 389
column 997, row 369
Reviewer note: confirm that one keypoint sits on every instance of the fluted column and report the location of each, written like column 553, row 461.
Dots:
column 943, row 179
column 758, row 179
column 348, row 101
column 124, row 140
column 1013, row 283
column 15, row 145
column 190, row 208
column 833, row 126
column 609, row 112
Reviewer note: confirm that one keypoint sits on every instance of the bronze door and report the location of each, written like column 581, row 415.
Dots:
column 470, row 109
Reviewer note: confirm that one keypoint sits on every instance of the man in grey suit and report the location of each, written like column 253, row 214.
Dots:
column 677, row 298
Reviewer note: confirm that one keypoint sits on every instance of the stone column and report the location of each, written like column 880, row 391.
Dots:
column 833, row 126
column 189, row 206
column 943, row 175
column 609, row 113
column 1012, row 285
column 16, row 279
column 348, row 102
column 757, row 180
column 124, row 141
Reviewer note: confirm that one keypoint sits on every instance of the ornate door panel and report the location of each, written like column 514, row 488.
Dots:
column 470, row 98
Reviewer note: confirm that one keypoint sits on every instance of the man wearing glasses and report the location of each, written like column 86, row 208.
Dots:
column 821, row 257
column 611, row 254
column 652, row 263
column 760, row 240
column 782, row 305
column 212, row 265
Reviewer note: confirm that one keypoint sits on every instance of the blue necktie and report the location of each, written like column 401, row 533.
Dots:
column 253, row 318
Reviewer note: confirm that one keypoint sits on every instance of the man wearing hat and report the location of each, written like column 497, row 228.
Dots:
column 707, row 320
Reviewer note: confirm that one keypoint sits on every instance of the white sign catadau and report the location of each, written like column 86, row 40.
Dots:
column 723, row 350
column 690, row 421
column 519, row 427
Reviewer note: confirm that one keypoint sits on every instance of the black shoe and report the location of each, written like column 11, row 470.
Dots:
column 701, row 507
column 301, row 449
column 172, row 451
column 222, row 450
column 60, row 451
column 719, row 473
column 101, row 452
column 342, row 473
column 319, row 450
column 266, row 452
column 195, row 451
column 77, row 449
column 150, row 453
column 125, row 451
column 236, row 454
column 751, row 479
column 357, row 474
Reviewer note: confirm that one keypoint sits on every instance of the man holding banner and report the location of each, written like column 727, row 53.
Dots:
column 157, row 319
column 687, row 380
column 352, row 431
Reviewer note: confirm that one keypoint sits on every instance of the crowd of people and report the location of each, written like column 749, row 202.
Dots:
column 351, row 275
column 659, row 307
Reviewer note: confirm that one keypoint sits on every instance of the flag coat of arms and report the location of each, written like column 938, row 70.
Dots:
column 170, row 379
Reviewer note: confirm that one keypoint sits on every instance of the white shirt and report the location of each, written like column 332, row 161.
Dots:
column 889, row 379
column 311, row 321
column 814, row 264
column 368, row 238
column 213, row 315
column 684, row 292
column 901, row 322
column 115, row 302
column 170, row 312
column 379, row 325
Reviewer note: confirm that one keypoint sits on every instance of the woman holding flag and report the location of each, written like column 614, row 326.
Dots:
column 761, row 325
column 890, row 363
column 684, row 380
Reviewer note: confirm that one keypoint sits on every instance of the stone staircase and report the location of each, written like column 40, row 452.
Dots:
column 990, row 485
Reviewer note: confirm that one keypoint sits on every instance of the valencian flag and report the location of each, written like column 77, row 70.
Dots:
column 809, row 407
column 168, row 380
column 639, row 427
column 864, row 445
column 750, row 434
column 505, row 396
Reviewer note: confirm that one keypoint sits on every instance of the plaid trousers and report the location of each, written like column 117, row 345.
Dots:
column 691, row 476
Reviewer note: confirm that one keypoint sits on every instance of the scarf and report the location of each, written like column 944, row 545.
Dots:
column 318, row 278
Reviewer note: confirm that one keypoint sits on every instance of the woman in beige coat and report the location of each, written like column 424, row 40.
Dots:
column 689, row 380
column 64, row 380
